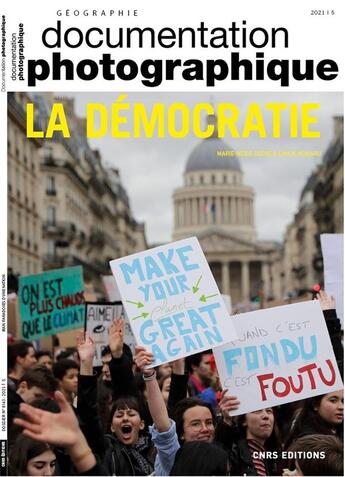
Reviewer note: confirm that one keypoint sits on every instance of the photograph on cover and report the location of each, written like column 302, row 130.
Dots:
column 175, row 260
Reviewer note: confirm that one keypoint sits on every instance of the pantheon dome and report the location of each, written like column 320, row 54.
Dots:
column 216, row 205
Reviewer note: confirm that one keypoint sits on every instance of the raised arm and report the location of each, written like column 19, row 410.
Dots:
column 155, row 399
column 87, row 395
column 120, row 366
column 61, row 429
column 328, row 306
column 178, row 386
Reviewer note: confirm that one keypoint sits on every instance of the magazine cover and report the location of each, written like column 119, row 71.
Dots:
column 172, row 263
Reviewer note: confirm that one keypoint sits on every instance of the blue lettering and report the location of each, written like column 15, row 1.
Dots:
column 196, row 320
column 178, row 318
column 172, row 351
column 184, row 259
column 158, row 355
column 214, row 337
column 146, row 291
column 189, row 344
column 166, row 261
column 198, row 339
column 209, row 309
column 251, row 355
column 312, row 354
column 269, row 354
column 158, row 291
column 165, row 324
column 152, row 268
column 150, row 337
column 229, row 356
column 171, row 286
column 181, row 280
column 290, row 350
column 132, row 269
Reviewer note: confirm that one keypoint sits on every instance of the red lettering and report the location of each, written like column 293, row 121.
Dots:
column 283, row 393
column 308, row 368
column 262, row 378
column 331, row 381
column 294, row 388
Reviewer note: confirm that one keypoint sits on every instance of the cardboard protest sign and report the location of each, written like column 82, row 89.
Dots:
column 172, row 301
column 51, row 302
column 283, row 354
column 332, row 246
column 98, row 317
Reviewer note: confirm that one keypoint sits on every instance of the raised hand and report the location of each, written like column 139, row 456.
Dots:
column 326, row 301
column 116, row 332
column 60, row 429
column 142, row 359
column 86, row 347
column 178, row 366
column 227, row 404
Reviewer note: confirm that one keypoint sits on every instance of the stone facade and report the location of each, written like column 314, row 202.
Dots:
column 215, row 205
column 24, row 189
column 320, row 211
column 82, row 205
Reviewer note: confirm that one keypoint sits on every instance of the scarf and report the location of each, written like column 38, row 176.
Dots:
column 141, row 465
column 259, row 464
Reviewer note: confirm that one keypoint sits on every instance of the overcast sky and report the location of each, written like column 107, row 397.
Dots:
column 152, row 168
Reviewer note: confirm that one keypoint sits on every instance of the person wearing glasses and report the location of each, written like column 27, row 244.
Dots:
column 194, row 419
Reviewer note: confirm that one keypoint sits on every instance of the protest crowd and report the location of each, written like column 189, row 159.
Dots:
column 66, row 417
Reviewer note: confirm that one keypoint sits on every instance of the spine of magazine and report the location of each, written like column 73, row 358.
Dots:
column 3, row 379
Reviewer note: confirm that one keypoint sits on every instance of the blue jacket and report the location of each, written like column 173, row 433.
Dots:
column 167, row 445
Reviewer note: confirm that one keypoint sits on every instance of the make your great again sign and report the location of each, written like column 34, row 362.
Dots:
column 282, row 354
column 172, row 301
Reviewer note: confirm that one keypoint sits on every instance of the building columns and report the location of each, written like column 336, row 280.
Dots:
column 226, row 278
column 265, row 276
column 245, row 281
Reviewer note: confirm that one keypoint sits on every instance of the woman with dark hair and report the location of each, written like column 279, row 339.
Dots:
column 257, row 450
column 194, row 419
column 252, row 439
column 124, row 449
column 30, row 457
column 200, row 458
column 320, row 415
column 59, row 429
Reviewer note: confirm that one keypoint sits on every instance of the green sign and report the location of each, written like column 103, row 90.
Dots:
column 51, row 302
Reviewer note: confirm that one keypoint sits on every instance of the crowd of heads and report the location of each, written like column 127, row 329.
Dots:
column 209, row 440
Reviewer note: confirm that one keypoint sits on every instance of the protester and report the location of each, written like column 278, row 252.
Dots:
column 318, row 454
column 61, row 429
column 124, row 450
column 195, row 419
column 20, row 358
column 249, row 437
column 201, row 376
column 37, row 382
column 45, row 358
column 66, row 372
column 200, row 458
column 164, row 370
column 320, row 415
column 31, row 457
column 164, row 386
column 106, row 358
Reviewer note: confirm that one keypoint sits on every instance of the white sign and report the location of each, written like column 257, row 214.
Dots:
column 98, row 318
column 332, row 246
column 172, row 300
column 283, row 354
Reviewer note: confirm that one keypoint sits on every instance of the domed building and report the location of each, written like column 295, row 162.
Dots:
column 215, row 205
